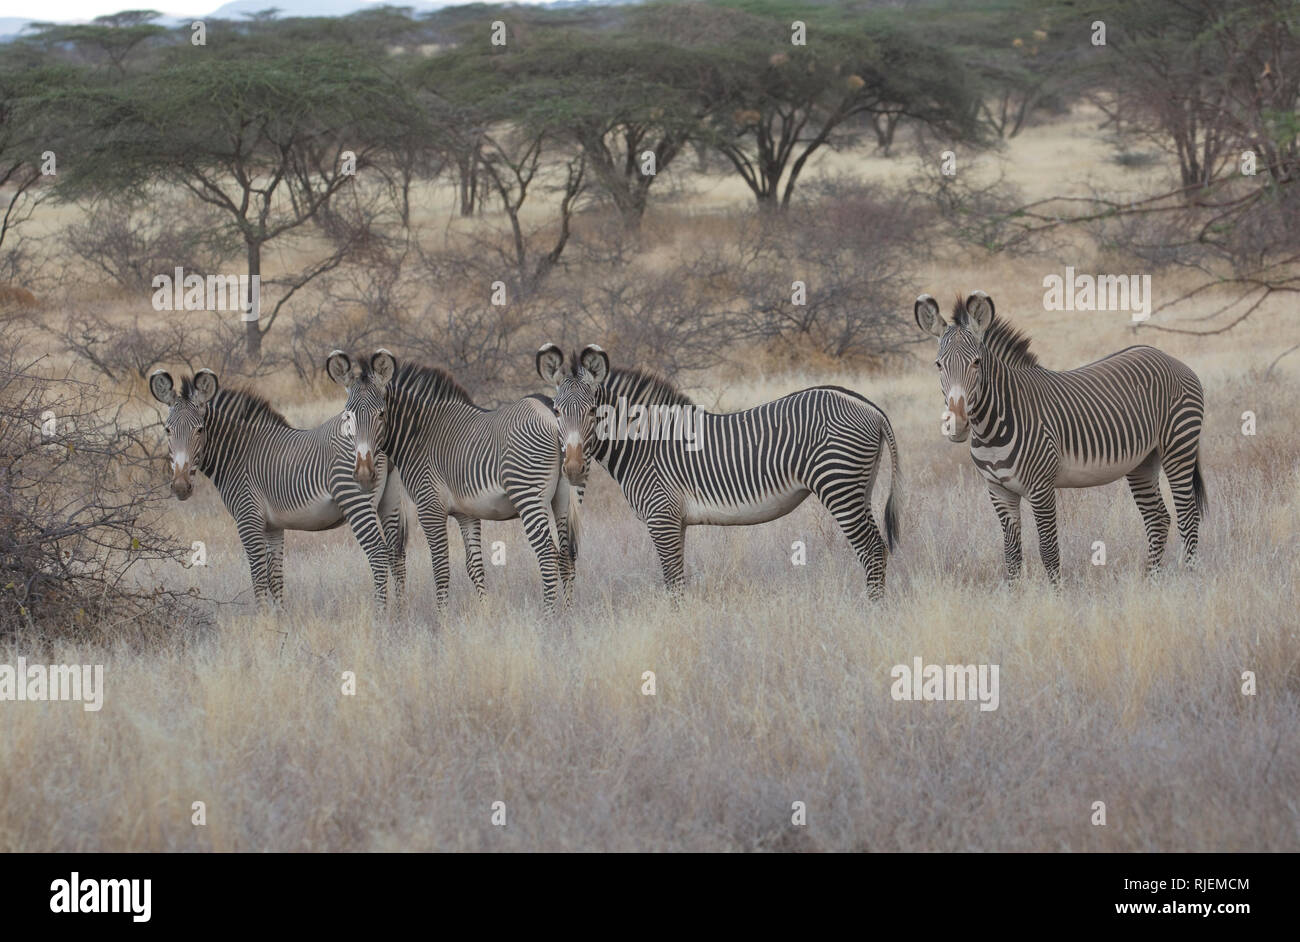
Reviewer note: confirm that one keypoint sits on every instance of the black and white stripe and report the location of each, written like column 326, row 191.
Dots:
column 1033, row 430
column 274, row 477
column 754, row 466
column 471, row 464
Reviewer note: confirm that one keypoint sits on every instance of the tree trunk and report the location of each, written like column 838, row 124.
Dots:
column 767, row 201
column 631, row 203
column 252, row 329
column 467, row 165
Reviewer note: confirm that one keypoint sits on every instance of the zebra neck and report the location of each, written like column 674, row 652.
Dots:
column 228, row 437
column 617, row 457
column 409, row 418
column 615, row 400
column 994, row 400
column 613, row 453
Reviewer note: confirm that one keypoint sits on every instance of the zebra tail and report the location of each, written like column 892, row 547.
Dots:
column 895, row 489
column 1198, row 488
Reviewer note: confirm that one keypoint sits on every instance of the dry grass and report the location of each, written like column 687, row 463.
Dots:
column 772, row 680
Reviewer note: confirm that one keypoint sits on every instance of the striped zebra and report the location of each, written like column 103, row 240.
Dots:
column 679, row 465
column 273, row 477
column 1033, row 430
column 459, row 460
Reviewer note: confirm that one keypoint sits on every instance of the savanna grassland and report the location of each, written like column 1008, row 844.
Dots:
column 772, row 680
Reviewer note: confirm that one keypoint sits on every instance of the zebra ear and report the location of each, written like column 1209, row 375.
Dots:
column 928, row 318
column 979, row 312
column 595, row 361
column 339, row 367
column 550, row 363
column 205, row 386
column 382, row 366
column 162, row 387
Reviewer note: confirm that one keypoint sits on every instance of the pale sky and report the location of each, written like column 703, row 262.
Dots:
column 58, row 10
column 89, row 9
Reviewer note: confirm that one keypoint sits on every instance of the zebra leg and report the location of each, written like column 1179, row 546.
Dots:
column 252, row 533
column 275, row 564
column 1144, row 482
column 369, row 531
column 852, row 511
column 395, row 532
column 669, row 537
column 537, row 526
column 433, row 520
column 394, row 523
column 1043, row 504
column 565, row 539
column 1183, row 474
column 1007, row 506
column 471, row 532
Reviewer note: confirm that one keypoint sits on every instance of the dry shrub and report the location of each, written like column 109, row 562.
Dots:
column 132, row 240
column 386, row 303
column 80, row 535
column 197, row 339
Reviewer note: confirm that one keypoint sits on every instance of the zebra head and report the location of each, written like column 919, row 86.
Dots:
column 187, row 414
column 961, row 346
column 575, row 400
column 365, row 415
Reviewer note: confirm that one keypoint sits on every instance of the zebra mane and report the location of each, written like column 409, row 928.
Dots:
column 1003, row 341
column 644, row 386
column 430, row 383
column 243, row 405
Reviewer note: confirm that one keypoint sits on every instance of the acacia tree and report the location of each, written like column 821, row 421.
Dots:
column 113, row 38
column 1204, row 81
column 27, row 132
column 630, row 103
column 260, row 131
column 1233, row 236
column 774, row 105
column 511, row 160
column 419, row 149
column 1023, row 75
column 507, row 136
column 1169, row 87
column 461, row 128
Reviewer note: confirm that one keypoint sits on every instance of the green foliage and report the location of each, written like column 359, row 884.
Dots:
column 111, row 39
column 197, row 113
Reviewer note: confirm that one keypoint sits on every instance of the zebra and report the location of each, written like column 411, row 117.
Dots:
column 274, row 477
column 679, row 465
column 1033, row 430
column 462, row 461
column 574, row 405
column 574, row 402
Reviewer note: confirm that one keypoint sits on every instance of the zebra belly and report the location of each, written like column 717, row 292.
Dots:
column 488, row 505
column 770, row 507
column 321, row 514
column 1071, row 472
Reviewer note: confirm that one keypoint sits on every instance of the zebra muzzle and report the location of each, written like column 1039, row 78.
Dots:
column 956, row 422
column 182, row 483
column 365, row 471
column 573, row 463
